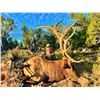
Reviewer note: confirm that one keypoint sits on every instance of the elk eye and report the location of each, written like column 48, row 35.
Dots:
column 35, row 61
column 66, row 66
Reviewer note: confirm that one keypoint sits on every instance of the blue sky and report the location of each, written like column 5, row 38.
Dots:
column 33, row 20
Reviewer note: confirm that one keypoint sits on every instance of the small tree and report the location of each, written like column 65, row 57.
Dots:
column 7, row 25
column 27, row 36
column 83, row 21
column 93, row 31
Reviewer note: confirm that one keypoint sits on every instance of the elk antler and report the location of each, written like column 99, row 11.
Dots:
column 65, row 43
column 58, row 34
column 61, row 38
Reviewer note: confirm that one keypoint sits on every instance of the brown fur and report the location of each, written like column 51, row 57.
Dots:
column 71, row 74
column 54, row 70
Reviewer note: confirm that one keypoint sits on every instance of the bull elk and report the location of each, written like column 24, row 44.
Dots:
column 55, row 70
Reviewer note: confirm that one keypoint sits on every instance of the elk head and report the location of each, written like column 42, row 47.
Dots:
column 61, row 37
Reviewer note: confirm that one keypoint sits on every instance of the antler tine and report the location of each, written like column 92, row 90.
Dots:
column 48, row 27
column 65, row 51
column 58, row 23
column 66, row 26
column 53, row 29
column 66, row 31
column 68, row 48
column 65, row 41
column 71, row 25
column 71, row 35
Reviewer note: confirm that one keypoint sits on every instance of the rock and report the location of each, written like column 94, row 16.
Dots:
column 83, row 81
column 70, row 83
column 8, row 75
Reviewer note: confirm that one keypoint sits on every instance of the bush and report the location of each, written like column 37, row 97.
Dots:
column 96, row 66
column 18, row 53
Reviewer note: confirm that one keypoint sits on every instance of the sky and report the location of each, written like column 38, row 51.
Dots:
column 33, row 20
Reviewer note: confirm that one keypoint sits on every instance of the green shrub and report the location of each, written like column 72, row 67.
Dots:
column 96, row 66
column 18, row 53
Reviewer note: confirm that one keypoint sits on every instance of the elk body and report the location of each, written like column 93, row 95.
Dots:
column 54, row 70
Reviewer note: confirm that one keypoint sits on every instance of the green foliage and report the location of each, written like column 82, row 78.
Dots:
column 59, row 56
column 7, row 25
column 52, row 40
column 21, row 44
column 39, row 40
column 79, row 38
column 27, row 36
column 93, row 31
column 36, row 40
column 96, row 65
column 82, row 19
column 18, row 53
column 8, row 43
